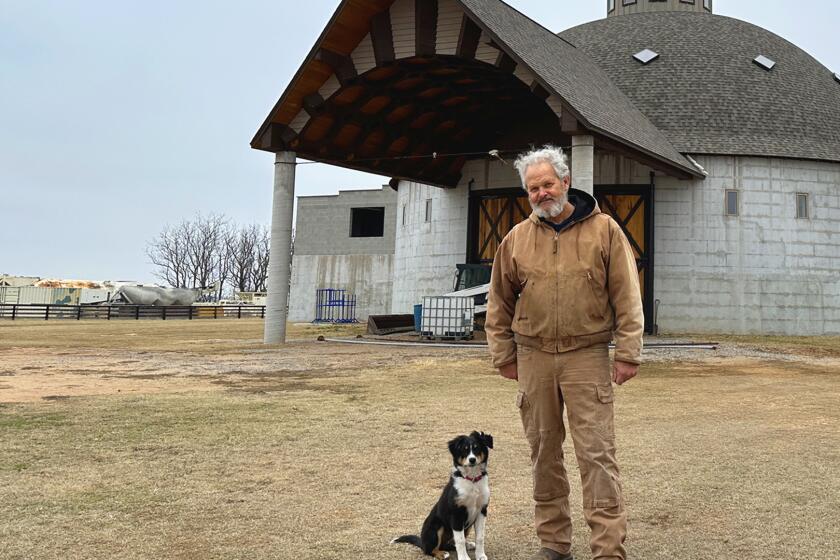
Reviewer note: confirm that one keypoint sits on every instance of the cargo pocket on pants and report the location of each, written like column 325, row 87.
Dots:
column 531, row 433
column 606, row 421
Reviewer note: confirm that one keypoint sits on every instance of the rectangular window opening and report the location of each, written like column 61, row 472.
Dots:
column 367, row 222
column 802, row 205
column 707, row 4
column 628, row 2
column 403, row 215
column 610, row 5
column 687, row 2
column 428, row 210
column 731, row 203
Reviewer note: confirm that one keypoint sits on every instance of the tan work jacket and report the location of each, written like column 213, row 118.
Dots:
column 563, row 291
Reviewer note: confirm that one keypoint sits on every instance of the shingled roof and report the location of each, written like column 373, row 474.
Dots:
column 570, row 73
column 706, row 94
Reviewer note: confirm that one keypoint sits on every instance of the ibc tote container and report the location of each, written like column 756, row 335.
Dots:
column 447, row 317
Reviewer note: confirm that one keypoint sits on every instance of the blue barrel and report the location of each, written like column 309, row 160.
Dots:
column 418, row 314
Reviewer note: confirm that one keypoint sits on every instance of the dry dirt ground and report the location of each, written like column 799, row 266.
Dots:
column 192, row 440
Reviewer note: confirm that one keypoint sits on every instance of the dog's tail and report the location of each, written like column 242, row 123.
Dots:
column 410, row 539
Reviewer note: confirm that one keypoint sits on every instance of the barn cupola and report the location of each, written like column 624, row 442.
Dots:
column 622, row 7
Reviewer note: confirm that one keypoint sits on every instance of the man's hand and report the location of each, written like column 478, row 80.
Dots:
column 509, row 371
column 623, row 371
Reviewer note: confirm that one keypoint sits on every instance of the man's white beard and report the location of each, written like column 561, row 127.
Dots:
column 553, row 211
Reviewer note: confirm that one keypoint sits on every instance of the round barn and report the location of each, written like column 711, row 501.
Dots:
column 714, row 143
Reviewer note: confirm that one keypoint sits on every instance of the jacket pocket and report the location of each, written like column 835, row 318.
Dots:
column 580, row 304
column 522, row 318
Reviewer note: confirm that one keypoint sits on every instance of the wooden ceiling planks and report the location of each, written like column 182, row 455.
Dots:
column 391, row 118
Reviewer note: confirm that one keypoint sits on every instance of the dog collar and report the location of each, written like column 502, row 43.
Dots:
column 471, row 478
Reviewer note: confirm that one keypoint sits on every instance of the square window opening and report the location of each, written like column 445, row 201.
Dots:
column 731, row 203
column 802, row 205
column 367, row 222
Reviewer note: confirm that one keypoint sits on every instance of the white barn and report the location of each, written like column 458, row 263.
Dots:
column 717, row 150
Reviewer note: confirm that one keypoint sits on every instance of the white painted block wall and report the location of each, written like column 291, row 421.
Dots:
column 367, row 276
column 426, row 253
column 764, row 271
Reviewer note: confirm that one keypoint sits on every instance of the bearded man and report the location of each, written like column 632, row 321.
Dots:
column 564, row 284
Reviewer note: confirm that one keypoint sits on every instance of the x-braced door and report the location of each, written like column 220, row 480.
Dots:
column 492, row 215
column 632, row 207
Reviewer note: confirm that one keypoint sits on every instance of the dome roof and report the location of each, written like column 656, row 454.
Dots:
column 705, row 92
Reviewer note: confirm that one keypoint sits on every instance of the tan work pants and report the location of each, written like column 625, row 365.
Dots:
column 580, row 380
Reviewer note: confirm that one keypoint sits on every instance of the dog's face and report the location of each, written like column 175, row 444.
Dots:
column 471, row 450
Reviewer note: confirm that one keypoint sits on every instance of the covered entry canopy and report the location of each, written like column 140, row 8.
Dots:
column 391, row 82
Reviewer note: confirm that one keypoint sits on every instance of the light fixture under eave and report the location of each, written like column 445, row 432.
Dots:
column 764, row 62
column 646, row 56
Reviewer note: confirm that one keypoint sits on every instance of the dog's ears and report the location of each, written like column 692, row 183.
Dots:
column 453, row 445
column 486, row 439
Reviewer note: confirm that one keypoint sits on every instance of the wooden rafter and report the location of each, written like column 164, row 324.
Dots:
column 382, row 37
column 426, row 15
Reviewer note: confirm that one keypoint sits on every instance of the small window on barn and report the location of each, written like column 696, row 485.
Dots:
column 404, row 215
column 367, row 222
column 428, row 210
column 731, row 203
column 802, row 205
column 628, row 2
column 610, row 5
column 707, row 4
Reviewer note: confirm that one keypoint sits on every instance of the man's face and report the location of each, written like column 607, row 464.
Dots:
column 547, row 193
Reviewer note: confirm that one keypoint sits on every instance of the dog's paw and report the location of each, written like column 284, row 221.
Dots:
column 471, row 546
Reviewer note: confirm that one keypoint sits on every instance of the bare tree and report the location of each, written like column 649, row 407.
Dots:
column 209, row 250
column 205, row 242
column 242, row 247
column 260, row 276
column 168, row 252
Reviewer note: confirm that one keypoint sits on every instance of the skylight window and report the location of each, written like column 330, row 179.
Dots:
column 646, row 56
column 764, row 62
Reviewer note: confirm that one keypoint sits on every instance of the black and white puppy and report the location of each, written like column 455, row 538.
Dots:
column 462, row 504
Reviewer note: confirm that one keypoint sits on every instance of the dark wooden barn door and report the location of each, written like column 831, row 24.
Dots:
column 632, row 208
column 492, row 216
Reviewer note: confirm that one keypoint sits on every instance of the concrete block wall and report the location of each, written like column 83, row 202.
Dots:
column 764, row 271
column 426, row 253
column 323, row 223
column 369, row 277
column 327, row 257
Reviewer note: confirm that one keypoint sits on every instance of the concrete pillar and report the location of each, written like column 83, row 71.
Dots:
column 583, row 163
column 280, row 258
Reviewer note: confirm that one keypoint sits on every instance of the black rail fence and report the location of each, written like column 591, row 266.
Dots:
column 47, row 312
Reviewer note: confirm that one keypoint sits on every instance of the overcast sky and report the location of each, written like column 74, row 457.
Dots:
column 118, row 117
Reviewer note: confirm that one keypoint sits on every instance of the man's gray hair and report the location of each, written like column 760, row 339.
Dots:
column 547, row 154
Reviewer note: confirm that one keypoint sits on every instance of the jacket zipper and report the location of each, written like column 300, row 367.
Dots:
column 556, row 287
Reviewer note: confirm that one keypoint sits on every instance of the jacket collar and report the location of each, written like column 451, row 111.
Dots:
column 576, row 197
